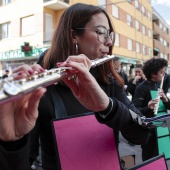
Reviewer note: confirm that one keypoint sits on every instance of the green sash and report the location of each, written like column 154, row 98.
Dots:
column 163, row 133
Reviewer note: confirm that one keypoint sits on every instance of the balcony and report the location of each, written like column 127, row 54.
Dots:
column 56, row 4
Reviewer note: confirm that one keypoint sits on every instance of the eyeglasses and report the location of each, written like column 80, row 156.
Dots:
column 103, row 34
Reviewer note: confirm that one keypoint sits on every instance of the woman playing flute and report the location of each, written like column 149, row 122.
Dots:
column 84, row 33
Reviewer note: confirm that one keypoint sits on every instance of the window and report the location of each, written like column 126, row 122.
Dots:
column 150, row 52
column 27, row 25
column 4, row 30
column 161, row 55
column 117, row 40
column 129, row 20
column 136, row 4
column 161, row 40
column 137, row 47
column 164, row 29
column 149, row 33
column 165, row 43
column 137, row 25
column 143, row 10
column 48, row 27
column 165, row 57
column 143, row 29
column 144, row 49
column 129, row 44
column 115, row 11
column 160, row 26
column 102, row 3
column 4, row 2
column 149, row 16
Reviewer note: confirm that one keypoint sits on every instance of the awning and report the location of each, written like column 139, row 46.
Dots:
column 127, row 60
column 156, row 49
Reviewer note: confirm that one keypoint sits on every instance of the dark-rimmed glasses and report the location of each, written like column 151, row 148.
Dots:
column 102, row 34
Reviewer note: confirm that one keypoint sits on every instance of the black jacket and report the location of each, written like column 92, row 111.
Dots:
column 15, row 155
column 119, row 119
column 132, row 87
column 143, row 91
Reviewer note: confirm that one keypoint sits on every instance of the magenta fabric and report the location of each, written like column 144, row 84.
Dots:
column 85, row 144
column 155, row 165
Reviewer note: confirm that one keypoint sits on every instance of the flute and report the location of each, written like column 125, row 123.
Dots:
column 11, row 89
column 158, row 97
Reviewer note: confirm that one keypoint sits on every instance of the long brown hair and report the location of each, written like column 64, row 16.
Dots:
column 62, row 46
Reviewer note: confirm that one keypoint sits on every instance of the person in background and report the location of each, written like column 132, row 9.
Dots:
column 6, row 74
column 119, row 70
column 88, row 33
column 154, row 70
column 166, row 83
column 139, row 78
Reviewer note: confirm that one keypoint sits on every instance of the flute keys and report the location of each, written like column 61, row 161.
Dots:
column 10, row 88
column 43, row 74
column 52, row 71
column 22, row 81
column 34, row 77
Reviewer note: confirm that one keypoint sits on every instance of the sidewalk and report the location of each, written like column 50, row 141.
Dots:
column 126, row 149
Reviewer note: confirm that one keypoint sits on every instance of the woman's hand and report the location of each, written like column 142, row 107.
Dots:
column 83, row 85
column 18, row 117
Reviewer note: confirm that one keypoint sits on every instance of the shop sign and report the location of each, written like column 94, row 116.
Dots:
column 126, row 60
column 10, row 55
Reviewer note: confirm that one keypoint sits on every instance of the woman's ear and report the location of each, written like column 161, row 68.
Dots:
column 73, row 35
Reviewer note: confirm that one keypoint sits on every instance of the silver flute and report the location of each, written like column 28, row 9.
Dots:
column 158, row 97
column 11, row 89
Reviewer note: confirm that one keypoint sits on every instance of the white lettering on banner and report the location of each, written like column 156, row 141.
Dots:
column 19, row 54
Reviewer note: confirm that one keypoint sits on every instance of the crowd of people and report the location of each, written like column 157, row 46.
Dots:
column 88, row 34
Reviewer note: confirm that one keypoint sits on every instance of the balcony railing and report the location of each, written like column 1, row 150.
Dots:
column 56, row 4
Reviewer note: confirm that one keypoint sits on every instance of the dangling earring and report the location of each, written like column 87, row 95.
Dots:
column 76, row 48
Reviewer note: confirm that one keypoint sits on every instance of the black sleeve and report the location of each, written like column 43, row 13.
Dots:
column 131, row 87
column 126, row 79
column 120, row 118
column 41, row 58
column 142, row 91
column 15, row 155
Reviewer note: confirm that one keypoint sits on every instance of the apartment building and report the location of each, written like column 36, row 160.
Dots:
column 161, row 37
column 27, row 25
column 133, row 25
column 26, row 28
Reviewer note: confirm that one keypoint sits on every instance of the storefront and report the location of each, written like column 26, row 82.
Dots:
column 11, row 59
column 128, row 65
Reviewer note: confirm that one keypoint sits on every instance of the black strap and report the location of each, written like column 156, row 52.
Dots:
column 59, row 108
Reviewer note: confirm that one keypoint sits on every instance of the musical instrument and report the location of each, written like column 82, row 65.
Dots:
column 158, row 97
column 153, row 122
column 11, row 89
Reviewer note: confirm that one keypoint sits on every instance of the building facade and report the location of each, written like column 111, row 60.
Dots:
column 133, row 25
column 26, row 29
column 161, row 37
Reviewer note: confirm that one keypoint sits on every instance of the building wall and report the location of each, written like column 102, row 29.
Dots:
column 13, row 13
column 161, row 35
column 125, row 31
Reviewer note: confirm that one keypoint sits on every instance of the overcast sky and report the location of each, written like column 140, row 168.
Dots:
column 163, row 9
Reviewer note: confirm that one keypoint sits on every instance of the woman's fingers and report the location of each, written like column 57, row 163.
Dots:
column 33, row 103
column 28, row 70
column 80, row 59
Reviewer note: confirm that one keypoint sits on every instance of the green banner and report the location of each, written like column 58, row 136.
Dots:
column 10, row 55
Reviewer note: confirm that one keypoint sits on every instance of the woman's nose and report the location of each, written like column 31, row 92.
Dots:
column 108, row 41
